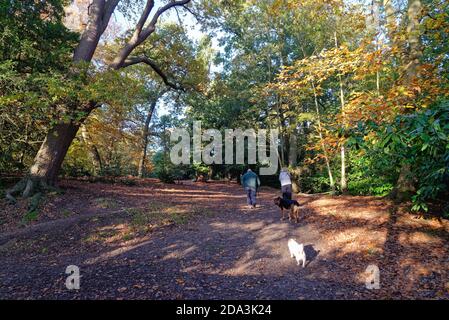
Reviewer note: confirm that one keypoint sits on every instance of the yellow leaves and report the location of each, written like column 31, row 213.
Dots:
column 361, row 67
column 437, row 23
column 278, row 5
column 8, row 100
column 316, row 69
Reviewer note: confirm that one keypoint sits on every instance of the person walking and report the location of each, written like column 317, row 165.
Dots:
column 251, row 183
column 286, row 184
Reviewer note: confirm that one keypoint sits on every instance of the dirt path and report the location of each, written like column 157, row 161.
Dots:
column 213, row 247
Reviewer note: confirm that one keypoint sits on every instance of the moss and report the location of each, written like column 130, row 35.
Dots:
column 30, row 216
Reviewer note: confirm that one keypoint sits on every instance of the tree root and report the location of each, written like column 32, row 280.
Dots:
column 34, row 202
column 32, row 188
column 18, row 187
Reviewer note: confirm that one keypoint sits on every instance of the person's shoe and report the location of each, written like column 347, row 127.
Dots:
column 254, row 206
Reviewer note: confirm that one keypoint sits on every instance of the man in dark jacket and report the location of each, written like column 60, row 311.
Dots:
column 251, row 183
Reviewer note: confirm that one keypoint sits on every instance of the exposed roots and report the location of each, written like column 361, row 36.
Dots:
column 14, row 191
column 34, row 202
column 29, row 187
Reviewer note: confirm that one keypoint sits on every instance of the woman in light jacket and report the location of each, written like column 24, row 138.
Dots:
column 286, row 184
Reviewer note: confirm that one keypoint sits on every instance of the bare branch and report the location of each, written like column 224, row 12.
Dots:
column 177, row 14
column 28, row 142
column 192, row 13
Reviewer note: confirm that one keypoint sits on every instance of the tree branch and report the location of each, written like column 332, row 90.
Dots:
column 143, row 18
column 151, row 27
column 140, row 33
column 192, row 13
column 177, row 14
column 109, row 8
column 135, row 60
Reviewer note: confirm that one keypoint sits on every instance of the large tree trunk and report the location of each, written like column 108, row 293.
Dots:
column 414, row 41
column 405, row 185
column 47, row 163
column 48, row 160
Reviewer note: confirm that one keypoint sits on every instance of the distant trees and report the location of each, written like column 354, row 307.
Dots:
column 340, row 89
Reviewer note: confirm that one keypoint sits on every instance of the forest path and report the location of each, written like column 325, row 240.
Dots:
column 225, row 250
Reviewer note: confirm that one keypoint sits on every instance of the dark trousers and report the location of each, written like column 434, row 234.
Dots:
column 251, row 196
column 287, row 191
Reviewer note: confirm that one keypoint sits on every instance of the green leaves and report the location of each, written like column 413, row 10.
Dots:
column 36, row 51
column 421, row 139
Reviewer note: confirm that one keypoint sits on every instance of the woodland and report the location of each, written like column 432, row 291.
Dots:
column 357, row 89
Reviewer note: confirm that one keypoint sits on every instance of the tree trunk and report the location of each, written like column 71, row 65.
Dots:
column 390, row 17
column 211, row 172
column 281, row 119
column 293, row 150
column 47, row 163
column 415, row 50
column 295, row 177
column 343, row 180
column 93, row 151
column 320, row 134
column 145, row 132
column 405, row 185
column 99, row 14
column 48, row 160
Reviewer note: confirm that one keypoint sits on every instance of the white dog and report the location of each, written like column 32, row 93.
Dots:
column 297, row 251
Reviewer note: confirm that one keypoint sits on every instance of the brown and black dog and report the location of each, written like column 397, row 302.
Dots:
column 293, row 205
